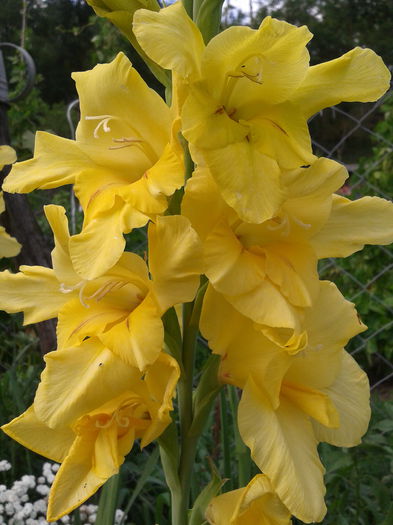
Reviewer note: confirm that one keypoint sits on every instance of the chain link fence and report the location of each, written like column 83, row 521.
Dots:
column 366, row 277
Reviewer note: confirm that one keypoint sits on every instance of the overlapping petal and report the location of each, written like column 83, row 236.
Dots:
column 175, row 260
column 255, row 503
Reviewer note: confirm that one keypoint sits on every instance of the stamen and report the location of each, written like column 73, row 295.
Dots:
column 81, row 299
column 105, row 289
column 104, row 119
column 126, row 142
column 301, row 223
column 81, row 285
column 64, row 289
column 280, row 222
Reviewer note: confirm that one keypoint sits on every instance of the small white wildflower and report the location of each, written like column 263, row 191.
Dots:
column 4, row 465
column 42, row 489
column 9, row 509
column 40, row 506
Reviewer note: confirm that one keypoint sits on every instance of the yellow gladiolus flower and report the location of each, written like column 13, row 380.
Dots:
column 9, row 247
column 268, row 271
column 91, row 429
column 289, row 404
column 123, row 164
column 245, row 98
column 123, row 306
column 255, row 504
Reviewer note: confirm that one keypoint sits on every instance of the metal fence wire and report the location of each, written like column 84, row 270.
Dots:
column 366, row 277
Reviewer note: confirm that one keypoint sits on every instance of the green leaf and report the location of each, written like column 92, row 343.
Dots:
column 108, row 501
column 389, row 516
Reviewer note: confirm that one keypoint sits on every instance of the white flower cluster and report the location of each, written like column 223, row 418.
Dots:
column 22, row 505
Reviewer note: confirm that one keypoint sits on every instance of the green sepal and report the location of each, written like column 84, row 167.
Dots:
column 172, row 335
column 208, row 18
column 197, row 514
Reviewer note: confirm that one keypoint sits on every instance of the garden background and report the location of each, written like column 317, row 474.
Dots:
column 64, row 36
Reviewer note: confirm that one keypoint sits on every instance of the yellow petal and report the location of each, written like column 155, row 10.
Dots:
column 309, row 196
column 247, row 179
column 293, row 268
column 138, row 339
column 352, row 224
column 272, row 61
column 175, row 260
column 255, row 503
column 281, row 132
column 167, row 175
column 76, row 321
column 28, row 430
column 242, row 347
column 9, row 247
column 222, row 509
column 161, row 380
column 358, row 76
column 100, row 244
column 34, row 291
column 7, row 156
column 312, row 402
column 48, row 168
column 330, row 324
column 113, row 86
column 61, row 259
column 79, row 379
column 266, row 306
column 171, row 39
column 231, row 269
column 201, row 194
column 206, row 123
column 350, row 393
column 283, row 445
column 75, row 481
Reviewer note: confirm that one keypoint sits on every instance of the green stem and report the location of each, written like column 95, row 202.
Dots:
column 225, row 437
column 242, row 452
column 191, row 315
